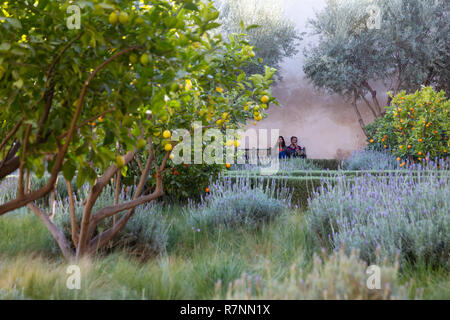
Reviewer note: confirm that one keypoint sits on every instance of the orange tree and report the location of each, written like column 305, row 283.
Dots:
column 84, row 101
column 415, row 127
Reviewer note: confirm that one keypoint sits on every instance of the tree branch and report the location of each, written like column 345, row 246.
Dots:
column 73, row 219
column 20, row 202
column 57, row 234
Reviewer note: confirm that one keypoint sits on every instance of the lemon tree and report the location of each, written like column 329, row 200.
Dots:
column 83, row 102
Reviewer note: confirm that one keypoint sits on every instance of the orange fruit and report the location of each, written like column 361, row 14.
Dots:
column 207, row 190
column 228, row 166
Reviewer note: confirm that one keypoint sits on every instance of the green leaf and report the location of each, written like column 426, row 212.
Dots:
column 81, row 178
column 68, row 170
column 252, row 26
column 14, row 23
column 191, row 6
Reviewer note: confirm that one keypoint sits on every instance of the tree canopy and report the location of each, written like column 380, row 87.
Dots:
column 273, row 35
column 85, row 101
column 408, row 48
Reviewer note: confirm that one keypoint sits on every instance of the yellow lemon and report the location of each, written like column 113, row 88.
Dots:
column 123, row 18
column 265, row 99
column 120, row 162
column 113, row 18
column 145, row 59
column 237, row 143
column 168, row 147
column 167, row 134
column 141, row 143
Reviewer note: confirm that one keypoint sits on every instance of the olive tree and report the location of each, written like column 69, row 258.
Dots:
column 273, row 35
column 407, row 47
column 83, row 99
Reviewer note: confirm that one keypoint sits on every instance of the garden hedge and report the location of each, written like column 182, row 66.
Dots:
column 301, row 187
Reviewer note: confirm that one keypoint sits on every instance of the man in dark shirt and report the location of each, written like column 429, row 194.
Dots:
column 294, row 150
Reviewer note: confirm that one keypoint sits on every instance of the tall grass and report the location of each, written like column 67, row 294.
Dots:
column 338, row 276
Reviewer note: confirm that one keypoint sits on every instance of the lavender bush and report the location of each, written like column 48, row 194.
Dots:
column 239, row 202
column 405, row 214
column 371, row 160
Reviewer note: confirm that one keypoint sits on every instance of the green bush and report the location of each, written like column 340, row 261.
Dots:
column 178, row 179
column 415, row 127
column 297, row 164
column 327, row 164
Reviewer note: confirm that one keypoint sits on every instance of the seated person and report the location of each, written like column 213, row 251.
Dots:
column 294, row 150
column 282, row 153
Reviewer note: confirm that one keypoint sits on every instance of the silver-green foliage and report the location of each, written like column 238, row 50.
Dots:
column 371, row 160
column 405, row 214
column 410, row 47
column 274, row 39
column 240, row 202
column 145, row 233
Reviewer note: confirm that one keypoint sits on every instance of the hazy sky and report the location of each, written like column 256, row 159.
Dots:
column 300, row 11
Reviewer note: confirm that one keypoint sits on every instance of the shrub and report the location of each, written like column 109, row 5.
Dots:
column 415, row 126
column 301, row 187
column 371, row 160
column 145, row 234
column 396, row 213
column 297, row 164
column 8, row 189
column 177, row 179
column 327, row 164
column 239, row 202
column 335, row 277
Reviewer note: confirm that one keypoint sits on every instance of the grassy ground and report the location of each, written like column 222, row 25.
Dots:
column 30, row 268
